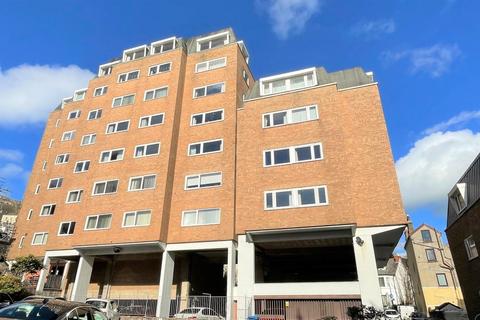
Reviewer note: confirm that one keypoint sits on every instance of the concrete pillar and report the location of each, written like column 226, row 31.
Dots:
column 246, row 277
column 66, row 271
column 82, row 278
column 367, row 270
column 231, row 275
column 43, row 275
column 165, row 285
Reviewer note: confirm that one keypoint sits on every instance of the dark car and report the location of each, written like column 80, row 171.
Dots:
column 5, row 300
column 51, row 309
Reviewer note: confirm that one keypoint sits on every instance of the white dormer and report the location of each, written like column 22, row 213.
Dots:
column 213, row 41
column 135, row 53
column 458, row 197
column 164, row 45
column 79, row 94
column 244, row 50
column 288, row 81
column 106, row 69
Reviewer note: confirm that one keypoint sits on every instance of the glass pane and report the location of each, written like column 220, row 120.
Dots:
column 149, row 95
column 117, row 102
column 111, row 187
column 284, row 198
column 129, row 219
column 303, row 153
column 64, row 228
column 167, row 46
column 217, row 63
column 218, row 42
column 200, row 92
column 122, row 78
column 279, row 118
column 143, row 218
column 212, row 146
column 204, row 45
column 91, row 222
column 208, row 216
column 306, row 196
column 153, row 70
column 215, row 88
column 193, row 182
column 189, row 218
column 268, row 158
column 71, row 228
column 135, row 184
column 149, row 182
column 212, row 179
column 281, row 156
column 104, row 221
column 297, row 82
column 322, row 195
column 152, row 149
column 157, row 119
column 201, row 67
column 72, row 196
column 37, row 238
column 86, row 165
column 160, row 93
column 313, row 113
column 164, row 67
column 197, row 119
column 105, row 156
column 194, row 149
column 299, row 115
column 269, row 200
column 213, row 116
column 122, row 126
column 139, row 151
column 144, row 122
column 266, row 120
column 317, row 151
column 309, row 79
column 279, row 86
column 100, row 188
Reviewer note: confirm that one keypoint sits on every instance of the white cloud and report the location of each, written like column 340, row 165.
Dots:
column 457, row 120
column 11, row 155
column 374, row 29
column 435, row 60
column 433, row 165
column 11, row 170
column 30, row 92
column 289, row 16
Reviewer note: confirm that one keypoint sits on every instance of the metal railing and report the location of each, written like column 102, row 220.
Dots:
column 216, row 303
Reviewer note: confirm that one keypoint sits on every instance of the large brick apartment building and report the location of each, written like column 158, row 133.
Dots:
column 176, row 174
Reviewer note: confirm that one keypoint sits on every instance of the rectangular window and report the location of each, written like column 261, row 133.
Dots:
column 135, row 53
column 88, row 139
column 203, row 180
column 74, row 114
column 44, row 165
column 289, row 116
column 82, row 166
column 137, row 218
column 209, row 90
column 155, row 93
column 426, row 236
column 68, row 135
column 55, row 183
column 471, row 248
column 152, row 120
column 100, row 91
column 381, row 280
column 62, row 158
column 66, row 228
column 159, row 68
column 442, row 280
column 142, row 183
column 206, row 117
column 295, row 154
column 48, row 210
column 290, row 81
column 205, row 147
column 50, row 144
column 39, row 238
column 119, row 126
column 296, row 198
column 430, row 255
column 74, row 196
column 163, row 45
column 111, row 155
column 245, row 77
column 105, row 187
column 123, row 101
column 132, row 75
column 200, row 217
column 57, row 123
column 146, row 150
column 98, row 222
column 30, row 213
column 95, row 114
column 211, row 64
column 213, row 41
column 37, row 189
column 79, row 95
column 20, row 243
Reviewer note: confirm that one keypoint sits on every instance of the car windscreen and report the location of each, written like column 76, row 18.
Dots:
column 190, row 310
column 32, row 311
column 97, row 303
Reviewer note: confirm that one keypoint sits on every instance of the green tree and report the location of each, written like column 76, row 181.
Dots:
column 10, row 284
column 26, row 264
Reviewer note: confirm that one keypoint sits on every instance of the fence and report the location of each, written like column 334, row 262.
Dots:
column 216, row 303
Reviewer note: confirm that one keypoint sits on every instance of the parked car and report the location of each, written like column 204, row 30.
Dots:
column 51, row 309
column 198, row 314
column 390, row 314
column 109, row 307
column 5, row 300
column 42, row 297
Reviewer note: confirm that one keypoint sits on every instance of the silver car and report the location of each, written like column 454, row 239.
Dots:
column 109, row 307
column 391, row 314
column 199, row 314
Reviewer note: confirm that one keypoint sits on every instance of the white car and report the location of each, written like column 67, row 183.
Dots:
column 198, row 314
column 391, row 314
column 109, row 307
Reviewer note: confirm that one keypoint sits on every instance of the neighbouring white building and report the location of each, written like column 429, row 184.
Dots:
column 395, row 283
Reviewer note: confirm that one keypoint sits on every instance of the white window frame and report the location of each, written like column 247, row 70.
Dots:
column 291, row 150
column 135, row 50
column 287, row 76
column 50, row 144
column 122, row 99
column 116, row 127
column 110, row 151
column 96, row 223
column 71, row 133
column 44, row 165
column 154, row 90
column 160, row 43
column 106, row 68
column 157, row 66
column 196, row 217
column 90, row 136
column 44, row 238
column 57, row 123
column 206, row 87
column 127, row 74
column 57, row 187
column 30, row 214
column 199, row 176
column 289, row 116
column 75, row 114
column 51, row 205
column 79, row 197
column 69, row 227
column 77, row 92
column 97, row 116
column 106, row 182
column 202, row 143
column 295, row 198
column 62, row 158
column 203, row 114
column 37, row 189
column 458, row 197
column 20, row 243
column 142, row 181
column 208, row 64
column 469, row 247
column 103, row 91
column 149, row 117
column 135, row 218
column 199, row 41
column 145, row 145
column 83, row 166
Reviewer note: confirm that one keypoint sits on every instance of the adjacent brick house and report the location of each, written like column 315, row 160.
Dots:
column 175, row 167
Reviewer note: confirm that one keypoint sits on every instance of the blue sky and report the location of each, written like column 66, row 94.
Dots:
column 424, row 54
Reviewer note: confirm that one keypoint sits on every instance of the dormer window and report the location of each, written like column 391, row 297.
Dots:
column 213, row 41
column 106, row 69
column 79, row 95
column 135, row 53
column 163, row 45
column 288, row 81
column 458, row 197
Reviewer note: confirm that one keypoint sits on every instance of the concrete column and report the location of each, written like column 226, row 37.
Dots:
column 165, row 285
column 43, row 275
column 246, row 277
column 367, row 270
column 66, row 270
column 231, row 267
column 82, row 278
